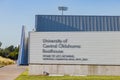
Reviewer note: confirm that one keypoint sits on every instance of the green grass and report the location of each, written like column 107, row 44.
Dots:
column 25, row 76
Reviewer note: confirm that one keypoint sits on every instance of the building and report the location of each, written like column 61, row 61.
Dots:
column 23, row 49
column 75, row 45
column 45, row 23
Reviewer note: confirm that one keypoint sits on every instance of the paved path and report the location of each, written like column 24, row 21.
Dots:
column 11, row 72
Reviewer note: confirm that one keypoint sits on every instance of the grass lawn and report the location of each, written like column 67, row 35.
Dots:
column 25, row 76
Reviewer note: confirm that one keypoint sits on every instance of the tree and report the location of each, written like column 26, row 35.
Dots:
column 10, row 52
column 0, row 44
column 10, row 48
column 13, row 55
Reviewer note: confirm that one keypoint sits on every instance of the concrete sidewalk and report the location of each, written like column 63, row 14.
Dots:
column 11, row 72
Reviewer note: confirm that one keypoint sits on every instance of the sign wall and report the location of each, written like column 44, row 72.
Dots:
column 74, row 48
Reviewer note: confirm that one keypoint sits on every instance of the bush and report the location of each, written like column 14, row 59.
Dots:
column 10, row 52
column 6, row 61
column 13, row 55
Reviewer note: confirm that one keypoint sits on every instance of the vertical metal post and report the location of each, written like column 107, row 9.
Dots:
column 62, row 12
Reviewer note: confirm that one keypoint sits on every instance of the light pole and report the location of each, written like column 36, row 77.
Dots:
column 62, row 8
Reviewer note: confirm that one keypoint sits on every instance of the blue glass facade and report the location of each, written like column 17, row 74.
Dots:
column 23, row 50
column 76, row 23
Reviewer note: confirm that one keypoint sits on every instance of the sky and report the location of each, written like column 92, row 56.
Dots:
column 15, row 13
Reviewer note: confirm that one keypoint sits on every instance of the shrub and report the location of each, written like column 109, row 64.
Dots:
column 6, row 61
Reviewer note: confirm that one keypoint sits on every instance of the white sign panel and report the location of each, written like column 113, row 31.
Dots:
column 74, row 48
